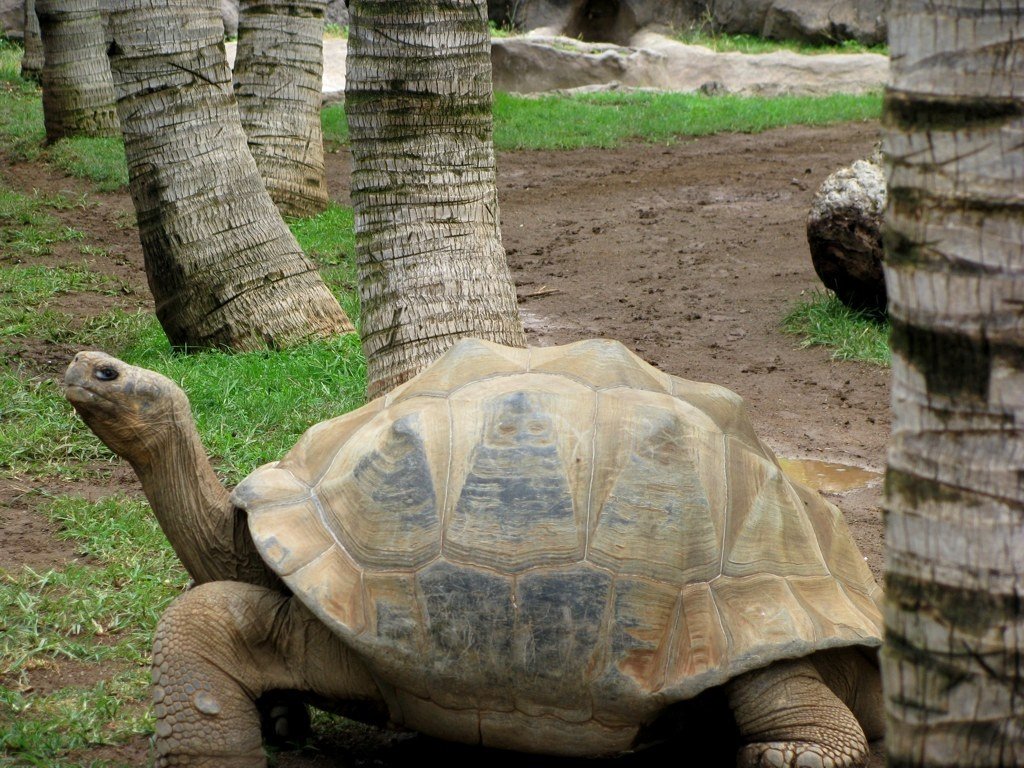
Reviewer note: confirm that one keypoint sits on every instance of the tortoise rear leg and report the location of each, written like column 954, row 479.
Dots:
column 788, row 717
column 218, row 649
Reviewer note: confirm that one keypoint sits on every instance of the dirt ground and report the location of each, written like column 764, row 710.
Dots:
column 690, row 254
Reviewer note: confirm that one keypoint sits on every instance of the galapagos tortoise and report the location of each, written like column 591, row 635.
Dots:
column 540, row 550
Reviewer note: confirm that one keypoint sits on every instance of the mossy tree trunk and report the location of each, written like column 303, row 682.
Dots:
column 32, row 60
column 953, row 663
column 78, row 93
column 278, row 84
column 432, row 268
column 224, row 269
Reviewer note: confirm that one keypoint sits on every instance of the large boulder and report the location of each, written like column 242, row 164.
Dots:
column 229, row 14
column 615, row 21
column 844, row 232
column 337, row 12
column 12, row 18
column 738, row 17
column 532, row 64
column 604, row 21
column 815, row 21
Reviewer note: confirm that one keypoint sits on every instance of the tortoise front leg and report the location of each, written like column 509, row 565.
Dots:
column 222, row 645
column 789, row 718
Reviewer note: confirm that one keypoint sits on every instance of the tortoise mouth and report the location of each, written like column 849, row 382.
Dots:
column 76, row 394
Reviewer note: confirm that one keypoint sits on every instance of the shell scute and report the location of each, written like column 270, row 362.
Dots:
column 768, row 530
column 600, row 364
column 761, row 614
column 315, row 452
column 469, row 617
column 380, row 497
column 657, row 507
column 290, row 536
column 639, row 642
column 331, row 586
column 560, row 615
column 700, row 643
column 468, row 360
column 531, row 516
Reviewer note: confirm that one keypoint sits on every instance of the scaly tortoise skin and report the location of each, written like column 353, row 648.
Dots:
column 542, row 549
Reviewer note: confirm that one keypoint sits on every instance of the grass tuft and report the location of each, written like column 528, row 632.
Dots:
column 26, row 226
column 101, row 160
column 823, row 320
column 329, row 239
column 99, row 609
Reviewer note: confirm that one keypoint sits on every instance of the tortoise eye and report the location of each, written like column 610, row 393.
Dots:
column 106, row 373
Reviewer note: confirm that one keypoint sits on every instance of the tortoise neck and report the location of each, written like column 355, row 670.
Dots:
column 210, row 536
column 190, row 503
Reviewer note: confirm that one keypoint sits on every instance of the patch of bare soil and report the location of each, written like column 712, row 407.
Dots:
column 690, row 254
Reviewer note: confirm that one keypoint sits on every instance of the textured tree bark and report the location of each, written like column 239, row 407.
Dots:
column 224, row 269
column 32, row 60
column 953, row 663
column 278, row 83
column 432, row 267
column 78, row 93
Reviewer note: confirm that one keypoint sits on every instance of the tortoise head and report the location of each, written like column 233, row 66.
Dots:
column 134, row 411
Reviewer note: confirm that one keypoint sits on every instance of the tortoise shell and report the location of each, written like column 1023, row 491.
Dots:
column 561, row 541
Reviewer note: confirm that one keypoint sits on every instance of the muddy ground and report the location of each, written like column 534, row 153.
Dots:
column 690, row 254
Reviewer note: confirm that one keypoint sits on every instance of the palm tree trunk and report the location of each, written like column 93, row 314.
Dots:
column 224, row 269
column 33, row 59
column 78, row 93
column 278, row 82
column 953, row 662
column 432, row 267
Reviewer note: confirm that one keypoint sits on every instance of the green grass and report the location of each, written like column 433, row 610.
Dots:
column 41, row 730
column 609, row 119
column 100, row 612
column 329, row 239
column 725, row 43
column 10, row 61
column 823, row 320
column 334, row 126
column 27, row 227
column 25, row 294
column 101, row 160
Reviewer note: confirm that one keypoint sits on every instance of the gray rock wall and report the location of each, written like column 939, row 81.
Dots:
column 12, row 18
column 615, row 21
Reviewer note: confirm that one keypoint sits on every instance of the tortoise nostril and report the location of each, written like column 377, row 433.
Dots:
column 106, row 373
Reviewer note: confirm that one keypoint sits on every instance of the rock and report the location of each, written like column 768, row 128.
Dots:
column 604, row 21
column 844, row 232
column 337, row 13
column 229, row 13
column 12, row 18
column 532, row 64
column 813, row 21
column 615, row 21
column 739, row 17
